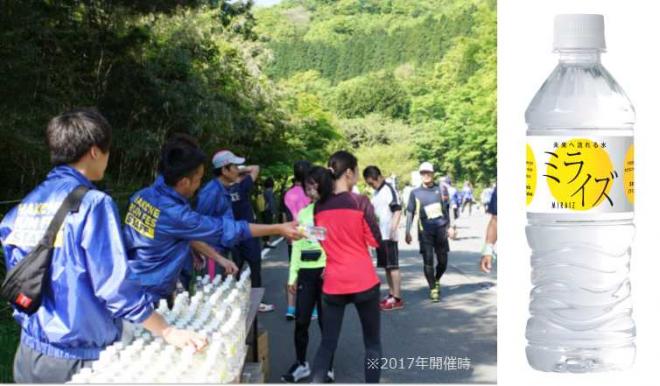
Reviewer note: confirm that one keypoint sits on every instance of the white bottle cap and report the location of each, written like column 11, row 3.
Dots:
column 579, row 31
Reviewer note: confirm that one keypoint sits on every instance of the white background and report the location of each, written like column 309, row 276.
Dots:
column 632, row 32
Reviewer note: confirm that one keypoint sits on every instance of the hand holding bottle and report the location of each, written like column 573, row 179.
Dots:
column 312, row 233
column 184, row 338
column 290, row 230
column 229, row 266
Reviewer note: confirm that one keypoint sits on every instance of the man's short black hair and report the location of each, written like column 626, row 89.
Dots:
column 372, row 172
column 180, row 157
column 300, row 169
column 70, row 135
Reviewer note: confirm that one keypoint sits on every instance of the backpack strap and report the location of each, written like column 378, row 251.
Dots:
column 71, row 204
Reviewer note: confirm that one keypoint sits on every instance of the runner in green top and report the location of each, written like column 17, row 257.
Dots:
column 303, row 249
column 306, row 282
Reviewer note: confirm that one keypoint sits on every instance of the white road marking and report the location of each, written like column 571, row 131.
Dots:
column 265, row 251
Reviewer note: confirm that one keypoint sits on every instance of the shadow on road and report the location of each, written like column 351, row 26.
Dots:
column 459, row 289
column 460, row 331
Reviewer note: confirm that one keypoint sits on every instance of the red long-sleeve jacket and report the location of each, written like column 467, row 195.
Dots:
column 352, row 228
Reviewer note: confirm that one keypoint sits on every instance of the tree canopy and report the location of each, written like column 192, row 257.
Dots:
column 152, row 68
column 395, row 81
column 426, row 68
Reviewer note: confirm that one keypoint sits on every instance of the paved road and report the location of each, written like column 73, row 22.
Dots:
column 462, row 328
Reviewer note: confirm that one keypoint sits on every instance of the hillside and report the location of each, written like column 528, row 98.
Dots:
column 405, row 81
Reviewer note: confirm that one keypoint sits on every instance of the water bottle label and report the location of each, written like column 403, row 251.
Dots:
column 569, row 174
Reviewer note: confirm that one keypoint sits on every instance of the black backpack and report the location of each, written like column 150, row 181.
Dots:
column 24, row 284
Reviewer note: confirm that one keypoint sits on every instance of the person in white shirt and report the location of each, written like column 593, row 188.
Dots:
column 387, row 204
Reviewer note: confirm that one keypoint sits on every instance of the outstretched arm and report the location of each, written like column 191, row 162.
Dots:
column 288, row 230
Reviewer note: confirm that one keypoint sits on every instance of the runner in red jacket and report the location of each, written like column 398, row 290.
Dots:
column 350, row 277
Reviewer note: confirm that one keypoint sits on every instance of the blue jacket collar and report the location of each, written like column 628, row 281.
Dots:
column 221, row 186
column 167, row 190
column 66, row 171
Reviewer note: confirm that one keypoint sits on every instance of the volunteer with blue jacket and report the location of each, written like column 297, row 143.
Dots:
column 161, row 227
column 227, row 196
column 215, row 200
column 87, row 293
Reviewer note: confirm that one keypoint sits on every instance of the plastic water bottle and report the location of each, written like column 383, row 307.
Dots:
column 216, row 312
column 312, row 233
column 580, row 202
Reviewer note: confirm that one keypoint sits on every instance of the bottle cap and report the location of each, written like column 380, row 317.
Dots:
column 579, row 31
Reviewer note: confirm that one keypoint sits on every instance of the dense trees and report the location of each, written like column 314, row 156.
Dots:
column 427, row 68
column 153, row 68
column 377, row 92
column 287, row 82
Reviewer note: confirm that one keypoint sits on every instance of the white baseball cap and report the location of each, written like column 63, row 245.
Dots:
column 226, row 157
column 426, row 167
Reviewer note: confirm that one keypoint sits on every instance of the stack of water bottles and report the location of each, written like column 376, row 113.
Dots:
column 217, row 310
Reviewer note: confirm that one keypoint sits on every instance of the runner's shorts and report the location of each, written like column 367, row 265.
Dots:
column 434, row 239
column 388, row 254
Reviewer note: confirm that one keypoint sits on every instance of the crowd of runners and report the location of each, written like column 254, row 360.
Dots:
column 106, row 269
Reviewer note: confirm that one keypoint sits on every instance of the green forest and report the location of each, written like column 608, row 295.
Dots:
column 403, row 81
column 395, row 81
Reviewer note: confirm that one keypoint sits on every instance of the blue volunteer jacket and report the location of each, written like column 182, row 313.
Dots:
column 215, row 200
column 88, row 292
column 159, row 226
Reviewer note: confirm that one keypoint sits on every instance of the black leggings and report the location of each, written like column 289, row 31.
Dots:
column 434, row 241
column 310, row 284
column 249, row 251
column 368, row 310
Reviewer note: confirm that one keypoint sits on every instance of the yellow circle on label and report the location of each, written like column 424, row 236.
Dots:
column 629, row 174
column 580, row 174
column 530, row 175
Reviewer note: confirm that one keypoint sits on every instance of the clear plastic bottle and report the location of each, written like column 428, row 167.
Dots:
column 312, row 232
column 199, row 285
column 580, row 200
column 144, row 359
